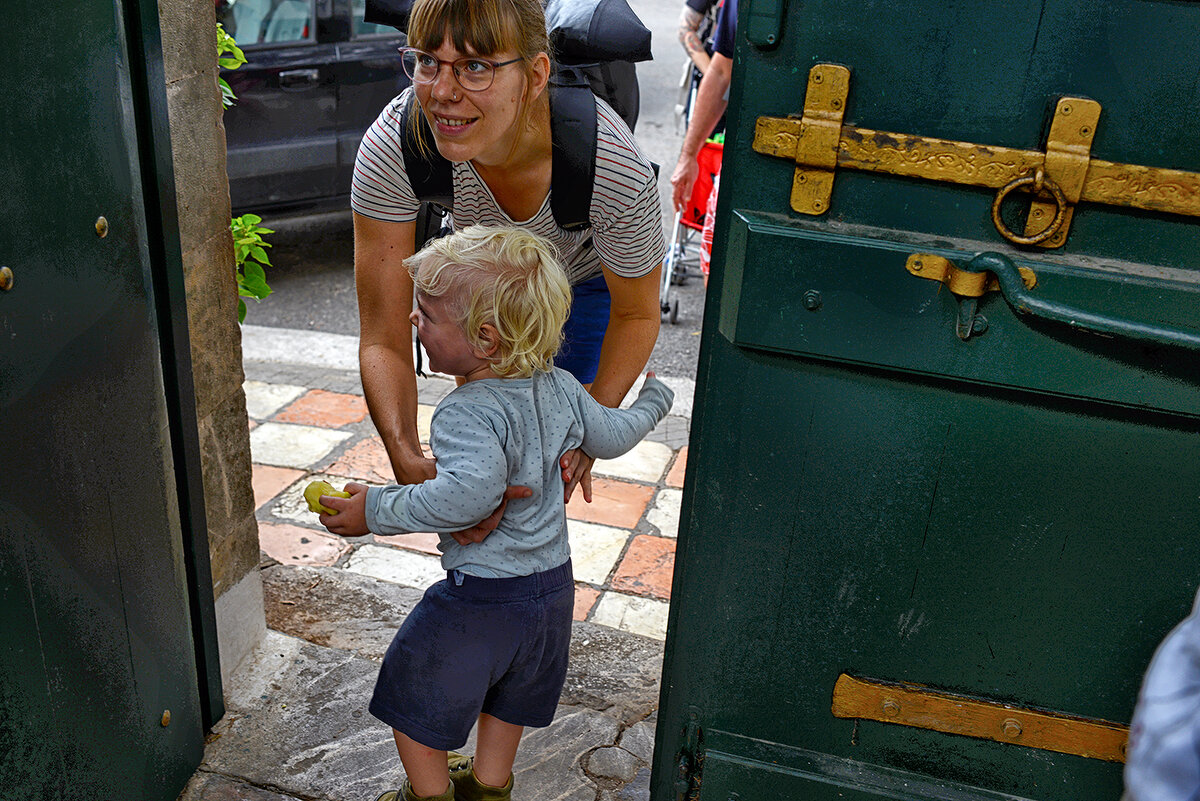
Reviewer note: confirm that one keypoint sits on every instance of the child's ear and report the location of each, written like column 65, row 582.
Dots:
column 489, row 339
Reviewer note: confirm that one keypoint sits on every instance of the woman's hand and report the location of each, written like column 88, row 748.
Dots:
column 577, row 472
column 411, row 469
column 479, row 531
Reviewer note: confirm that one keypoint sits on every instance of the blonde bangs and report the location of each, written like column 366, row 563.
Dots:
column 482, row 27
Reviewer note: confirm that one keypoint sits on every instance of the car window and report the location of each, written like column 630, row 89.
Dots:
column 357, row 9
column 253, row 22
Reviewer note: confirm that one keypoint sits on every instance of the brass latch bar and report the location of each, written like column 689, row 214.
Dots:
column 923, row 708
column 1065, row 172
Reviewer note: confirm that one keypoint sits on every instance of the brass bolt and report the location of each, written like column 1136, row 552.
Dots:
column 817, row 205
column 101, row 227
column 166, row 717
column 1012, row 728
column 918, row 265
column 801, row 178
column 1038, row 214
column 1084, row 131
column 890, row 708
column 6, row 279
column 817, row 78
column 836, row 104
column 1066, row 109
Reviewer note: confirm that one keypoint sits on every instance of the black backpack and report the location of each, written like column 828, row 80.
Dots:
column 595, row 44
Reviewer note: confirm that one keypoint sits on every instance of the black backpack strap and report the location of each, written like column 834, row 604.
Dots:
column 573, row 135
column 429, row 172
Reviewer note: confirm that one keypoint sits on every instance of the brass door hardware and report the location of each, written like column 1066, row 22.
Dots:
column 923, row 708
column 987, row 272
column 966, row 285
column 1064, row 173
column 6, row 279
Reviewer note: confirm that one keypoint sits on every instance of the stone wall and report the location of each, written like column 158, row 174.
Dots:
column 198, row 145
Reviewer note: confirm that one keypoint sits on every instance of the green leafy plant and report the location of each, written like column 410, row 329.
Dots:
column 249, row 249
column 230, row 57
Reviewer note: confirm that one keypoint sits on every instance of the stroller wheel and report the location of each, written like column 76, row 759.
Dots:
column 674, row 314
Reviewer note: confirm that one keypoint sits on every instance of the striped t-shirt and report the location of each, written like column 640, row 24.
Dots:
column 626, row 226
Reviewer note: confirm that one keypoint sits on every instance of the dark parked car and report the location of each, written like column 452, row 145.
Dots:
column 316, row 78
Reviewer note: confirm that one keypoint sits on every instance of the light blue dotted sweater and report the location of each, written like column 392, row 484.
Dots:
column 499, row 432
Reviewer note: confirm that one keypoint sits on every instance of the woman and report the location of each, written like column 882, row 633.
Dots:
column 480, row 69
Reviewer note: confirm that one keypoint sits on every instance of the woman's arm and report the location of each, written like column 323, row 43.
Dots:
column 633, row 321
column 385, row 350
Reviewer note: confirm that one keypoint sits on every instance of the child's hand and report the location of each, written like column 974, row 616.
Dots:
column 350, row 514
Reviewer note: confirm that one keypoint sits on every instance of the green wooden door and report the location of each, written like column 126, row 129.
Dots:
column 884, row 488
column 99, row 696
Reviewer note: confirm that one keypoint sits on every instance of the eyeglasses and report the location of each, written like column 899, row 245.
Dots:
column 472, row 74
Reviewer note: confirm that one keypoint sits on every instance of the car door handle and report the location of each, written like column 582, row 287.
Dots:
column 297, row 80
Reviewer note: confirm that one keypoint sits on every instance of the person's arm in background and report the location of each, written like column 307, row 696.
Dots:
column 711, row 100
column 689, row 30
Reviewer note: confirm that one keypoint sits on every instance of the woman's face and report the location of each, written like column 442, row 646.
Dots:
column 474, row 126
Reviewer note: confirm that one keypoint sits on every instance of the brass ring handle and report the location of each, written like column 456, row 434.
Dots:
column 1040, row 182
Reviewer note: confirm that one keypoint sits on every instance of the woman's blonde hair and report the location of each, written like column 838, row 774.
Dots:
column 485, row 27
column 504, row 276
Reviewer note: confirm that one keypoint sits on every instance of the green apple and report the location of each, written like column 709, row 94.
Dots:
column 313, row 493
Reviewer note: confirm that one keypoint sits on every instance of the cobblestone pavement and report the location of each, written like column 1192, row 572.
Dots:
column 296, row 726
column 313, row 426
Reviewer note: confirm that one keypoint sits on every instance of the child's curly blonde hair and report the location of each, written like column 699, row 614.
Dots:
column 504, row 276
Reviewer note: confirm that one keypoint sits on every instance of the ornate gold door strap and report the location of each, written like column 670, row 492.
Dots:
column 1060, row 177
column 923, row 708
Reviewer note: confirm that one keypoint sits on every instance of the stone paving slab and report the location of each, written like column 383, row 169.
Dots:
column 297, row 727
column 610, row 671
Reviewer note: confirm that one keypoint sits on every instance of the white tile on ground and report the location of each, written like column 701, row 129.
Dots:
column 264, row 400
column 644, row 616
column 646, row 462
column 595, row 550
column 290, row 504
column 398, row 566
column 286, row 445
column 684, row 389
column 424, row 416
column 293, row 346
column 664, row 514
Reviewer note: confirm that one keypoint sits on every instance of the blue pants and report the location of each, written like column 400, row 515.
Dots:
column 498, row 646
column 584, row 331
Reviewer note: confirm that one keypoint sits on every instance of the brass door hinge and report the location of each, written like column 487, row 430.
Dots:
column 924, row 708
column 1061, row 176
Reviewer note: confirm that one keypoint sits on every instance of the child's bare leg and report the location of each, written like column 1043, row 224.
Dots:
column 496, row 749
column 425, row 767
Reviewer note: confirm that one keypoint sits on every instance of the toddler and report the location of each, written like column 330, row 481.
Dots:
column 489, row 644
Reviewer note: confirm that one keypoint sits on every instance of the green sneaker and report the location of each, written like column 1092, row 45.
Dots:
column 467, row 787
column 405, row 793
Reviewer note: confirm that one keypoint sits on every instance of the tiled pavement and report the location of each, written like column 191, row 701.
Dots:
column 309, row 423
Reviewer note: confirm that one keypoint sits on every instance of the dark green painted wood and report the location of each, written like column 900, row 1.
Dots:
column 1012, row 517
column 94, row 604
column 170, row 295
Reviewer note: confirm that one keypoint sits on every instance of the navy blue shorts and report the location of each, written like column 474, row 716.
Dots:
column 498, row 646
column 584, row 330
